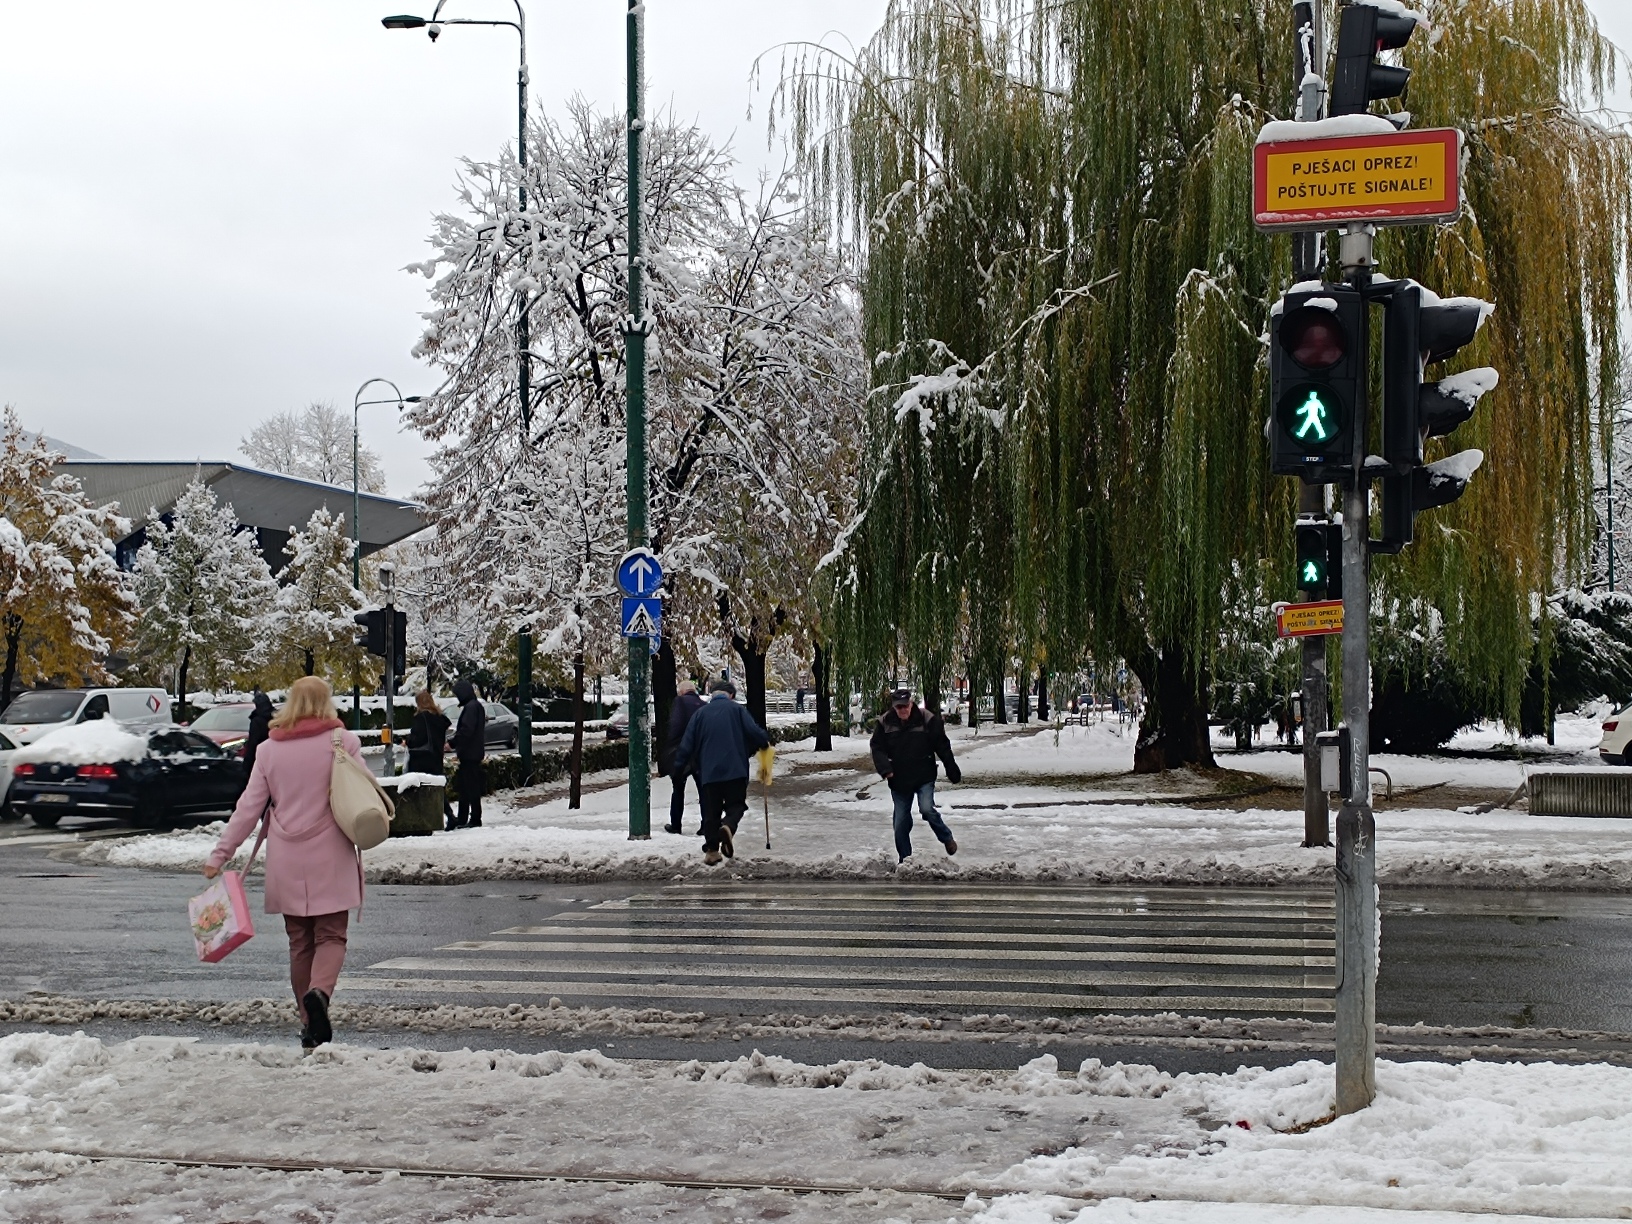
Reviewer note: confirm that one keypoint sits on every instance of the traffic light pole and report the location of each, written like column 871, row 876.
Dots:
column 1356, row 1003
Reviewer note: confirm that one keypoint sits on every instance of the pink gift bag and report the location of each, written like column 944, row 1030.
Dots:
column 220, row 914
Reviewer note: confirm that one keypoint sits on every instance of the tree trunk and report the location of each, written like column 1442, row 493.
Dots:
column 575, row 788
column 1042, row 694
column 181, row 685
column 311, row 663
column 1000, row 703
column 1173, row 733
column 819, row 670
column 663, row 693
column 14, row 641
column 1024, row 689
column 752, row 655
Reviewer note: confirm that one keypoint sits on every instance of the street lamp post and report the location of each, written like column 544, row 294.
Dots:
column 524, row 358
column 357, row 404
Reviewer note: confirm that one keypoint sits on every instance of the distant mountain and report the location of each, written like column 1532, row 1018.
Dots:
column 76, row 453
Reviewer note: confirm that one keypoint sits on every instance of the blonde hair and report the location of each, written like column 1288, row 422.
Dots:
column 424, row 701
column 309, row 697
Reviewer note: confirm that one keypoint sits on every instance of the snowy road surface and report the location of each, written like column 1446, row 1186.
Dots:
column 1032, row 1146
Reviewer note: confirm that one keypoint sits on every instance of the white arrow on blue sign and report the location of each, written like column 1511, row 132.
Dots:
column 639, row 573
column 642, row 618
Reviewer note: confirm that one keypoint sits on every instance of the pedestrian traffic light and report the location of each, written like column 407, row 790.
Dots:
column 1320, row 557
column 399, row 643
column 1419, row 329
column 1317, row 365
column 1364, row 30
column 372, row 639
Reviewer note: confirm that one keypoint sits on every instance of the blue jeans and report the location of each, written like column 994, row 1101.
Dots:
column 925, row 795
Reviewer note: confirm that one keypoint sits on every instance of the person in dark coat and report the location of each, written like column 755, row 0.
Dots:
column 427, row 735
column 905, row 745
column 686, row 703
column 715, row 748
column 470, row 746
column 260, row 726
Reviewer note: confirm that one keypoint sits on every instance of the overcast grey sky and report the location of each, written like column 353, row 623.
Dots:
column 205, row 208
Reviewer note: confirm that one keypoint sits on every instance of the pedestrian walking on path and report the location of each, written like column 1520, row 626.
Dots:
column 260, row 723
column 905, row 745
column 686, row 703
column 314, row 874
column 715, row 748
column 470, row 746
column 427, row 735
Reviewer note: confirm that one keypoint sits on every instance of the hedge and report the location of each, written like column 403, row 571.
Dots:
column 549, row 765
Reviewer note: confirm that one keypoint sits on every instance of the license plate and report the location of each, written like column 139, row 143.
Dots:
column 53, row 798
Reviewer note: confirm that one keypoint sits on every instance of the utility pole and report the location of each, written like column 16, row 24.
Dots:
column 1309, row 63
column 388, row 584
column 636, row 328
column 1356, row 1003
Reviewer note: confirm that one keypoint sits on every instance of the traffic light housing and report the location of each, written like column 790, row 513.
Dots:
column 1320, row 558
column 1363, row 31
column 399, row 644
column 372, row 639
column 1419, row 329
column 1317, row 372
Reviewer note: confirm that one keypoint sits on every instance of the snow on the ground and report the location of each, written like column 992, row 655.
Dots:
column 1042, row 806
column 1031, row 1146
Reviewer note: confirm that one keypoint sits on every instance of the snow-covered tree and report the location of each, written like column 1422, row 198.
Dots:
column 314, row 444
column 63, row 601
column 207, row 596
column 314, row 631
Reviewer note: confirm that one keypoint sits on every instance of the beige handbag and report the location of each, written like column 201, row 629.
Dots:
column 360, row 805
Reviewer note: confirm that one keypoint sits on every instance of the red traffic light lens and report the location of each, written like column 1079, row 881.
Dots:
column 1314, row 338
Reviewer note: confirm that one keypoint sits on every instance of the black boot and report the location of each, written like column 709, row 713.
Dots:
column 317, row 1017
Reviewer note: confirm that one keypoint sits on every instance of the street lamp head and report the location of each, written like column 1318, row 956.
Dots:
column 413, row 399
column 404, row 21
column 434, row 31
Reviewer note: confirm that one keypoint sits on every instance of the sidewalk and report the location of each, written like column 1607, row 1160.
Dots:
column 886, row 1142
column 1032, row 806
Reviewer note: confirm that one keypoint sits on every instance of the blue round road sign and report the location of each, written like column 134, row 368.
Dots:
column 639, row 572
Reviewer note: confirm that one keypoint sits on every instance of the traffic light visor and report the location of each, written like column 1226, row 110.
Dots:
column 1314, row 338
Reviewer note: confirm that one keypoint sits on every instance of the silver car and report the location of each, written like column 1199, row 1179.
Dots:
column 6, row 749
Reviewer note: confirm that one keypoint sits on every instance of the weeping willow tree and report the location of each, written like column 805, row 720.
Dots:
column 1065, row 302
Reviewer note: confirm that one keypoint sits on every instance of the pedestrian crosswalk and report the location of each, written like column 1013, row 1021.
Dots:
column 933, row 948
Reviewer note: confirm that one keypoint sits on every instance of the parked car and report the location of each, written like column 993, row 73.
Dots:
column 503, row 724
column 146, row 773
column 1612, row 749
column 31, row 715
column 617, row 727
column 227, row 725
column 6, row 749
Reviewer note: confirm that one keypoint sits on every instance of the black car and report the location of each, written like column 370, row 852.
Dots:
column 181, row 773
column 503, row 724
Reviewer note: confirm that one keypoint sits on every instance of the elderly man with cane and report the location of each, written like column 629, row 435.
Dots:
column 715, row 748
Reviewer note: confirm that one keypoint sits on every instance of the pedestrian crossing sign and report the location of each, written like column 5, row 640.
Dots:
column 642, row 617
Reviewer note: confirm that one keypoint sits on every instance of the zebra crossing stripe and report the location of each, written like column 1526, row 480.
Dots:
column 1244, row 1005
column 911, row 938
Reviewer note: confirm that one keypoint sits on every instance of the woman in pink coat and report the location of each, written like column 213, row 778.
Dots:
column 314, row 874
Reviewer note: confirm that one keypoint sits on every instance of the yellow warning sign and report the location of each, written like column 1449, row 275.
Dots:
column 1411, row 176
column 1309, row 619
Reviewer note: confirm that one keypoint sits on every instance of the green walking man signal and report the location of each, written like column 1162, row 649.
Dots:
column 1312, row 414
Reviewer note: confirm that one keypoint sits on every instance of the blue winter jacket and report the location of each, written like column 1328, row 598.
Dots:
column 717, row 742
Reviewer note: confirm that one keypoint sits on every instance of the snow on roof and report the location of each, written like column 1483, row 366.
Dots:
column 1283, row 131
column 1469, row 385
column 99, row 742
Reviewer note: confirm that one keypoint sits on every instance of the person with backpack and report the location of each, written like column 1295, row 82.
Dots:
column 905, row 745
column 314, row 874
column 715, row 747
column 470, row 747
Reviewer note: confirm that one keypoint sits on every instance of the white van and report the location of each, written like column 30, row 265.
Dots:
column 31, row 715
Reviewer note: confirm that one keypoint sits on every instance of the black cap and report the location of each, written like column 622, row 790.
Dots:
column 901, row 696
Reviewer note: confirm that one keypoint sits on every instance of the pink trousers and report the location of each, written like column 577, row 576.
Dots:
column 317, row 949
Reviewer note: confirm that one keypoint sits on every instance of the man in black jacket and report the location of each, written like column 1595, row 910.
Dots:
column 716, row 747
column 905, row 745
column 470, row 746
column 686, row 703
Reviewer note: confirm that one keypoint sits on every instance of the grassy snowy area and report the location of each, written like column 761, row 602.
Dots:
column 1010, row 1148
column 1033, row 805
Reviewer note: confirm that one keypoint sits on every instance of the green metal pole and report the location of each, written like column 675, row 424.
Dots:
column 640, row 658
column 524, row 701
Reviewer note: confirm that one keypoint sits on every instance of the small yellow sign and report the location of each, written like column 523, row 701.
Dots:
column 1309, row 619
column 1411, row 176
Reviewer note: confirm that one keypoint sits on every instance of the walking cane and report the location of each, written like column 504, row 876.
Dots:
column 767, row 762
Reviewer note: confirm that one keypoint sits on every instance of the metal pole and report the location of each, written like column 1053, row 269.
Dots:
column 640, row 662
column 1309, row 59
column 356, row 552
column 390, row 681
column 524, row 701
column 524, row 355
column 1356, row 1003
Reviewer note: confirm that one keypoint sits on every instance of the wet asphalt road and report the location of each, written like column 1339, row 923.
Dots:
column 1452, row 958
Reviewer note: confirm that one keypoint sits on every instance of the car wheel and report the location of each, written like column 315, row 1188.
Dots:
column 7, row 812
column 46, row 820
column 515, row 739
